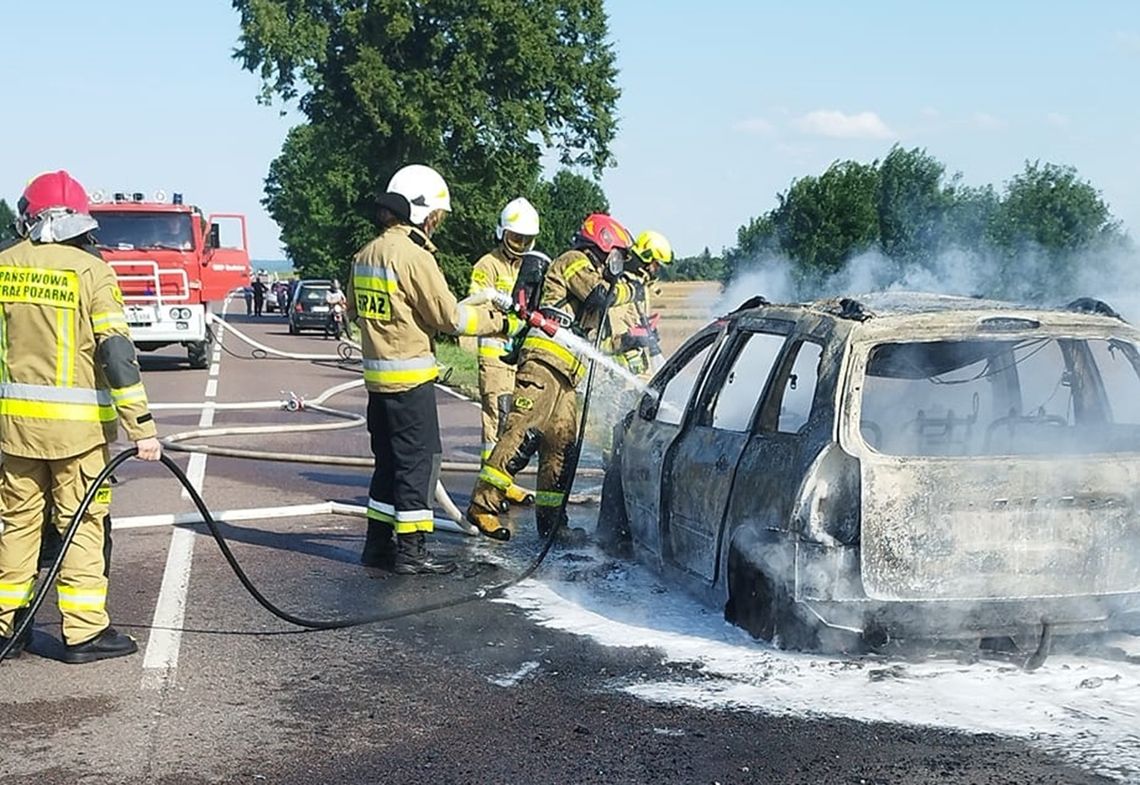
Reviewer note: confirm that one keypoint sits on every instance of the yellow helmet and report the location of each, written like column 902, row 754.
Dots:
column 651, row 246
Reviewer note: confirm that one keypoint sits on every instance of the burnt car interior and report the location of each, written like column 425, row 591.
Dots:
column 1002, row 396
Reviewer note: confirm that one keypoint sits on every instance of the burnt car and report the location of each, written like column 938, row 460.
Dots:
column 848, row 472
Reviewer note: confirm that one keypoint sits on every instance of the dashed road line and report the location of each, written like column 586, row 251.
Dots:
column 165, row 641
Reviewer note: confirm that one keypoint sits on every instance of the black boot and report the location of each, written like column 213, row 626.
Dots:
column 104, row 646
column 413, row 557
column 21, row 642
column 567, row 535
column 379, row 546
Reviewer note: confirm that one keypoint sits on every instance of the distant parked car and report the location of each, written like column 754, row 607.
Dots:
column 308, row 309
column 838, row 474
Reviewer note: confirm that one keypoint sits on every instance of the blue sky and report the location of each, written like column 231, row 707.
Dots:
column 724, row 102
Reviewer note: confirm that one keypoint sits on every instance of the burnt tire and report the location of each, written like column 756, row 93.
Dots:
column 765, row 609
column 613, row 535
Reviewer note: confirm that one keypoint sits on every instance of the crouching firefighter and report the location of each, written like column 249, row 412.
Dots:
column 518, row 227
column 400, row 300
column 578, row 288
column 69, row 373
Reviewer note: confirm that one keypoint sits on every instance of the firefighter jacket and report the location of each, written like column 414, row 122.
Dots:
column 68, row 371
column 575, row 288
column 626, row 349
column 494, row 270
column 400, row 300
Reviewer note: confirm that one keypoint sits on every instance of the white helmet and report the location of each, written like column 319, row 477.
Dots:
column 424, row 188
column 518, row 226
column 520, row 217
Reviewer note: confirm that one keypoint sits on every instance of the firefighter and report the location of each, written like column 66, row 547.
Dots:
column 517, row 230
column 69, row 373
column 399, row 298
column 633, row 342
column 576, row 294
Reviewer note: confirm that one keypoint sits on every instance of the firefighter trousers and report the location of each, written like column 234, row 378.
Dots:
column 496, row 388
column 544, row 414
column 404, row 430
column 82, row 584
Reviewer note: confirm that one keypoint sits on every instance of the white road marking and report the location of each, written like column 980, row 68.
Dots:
column 165, row 641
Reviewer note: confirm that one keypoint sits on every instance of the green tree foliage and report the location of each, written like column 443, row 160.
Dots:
column 476, row 88
column 563, row 202
column 912, row 205
column 702, row 267
column 7, row 216
column 822, row 221
column 1027, row 242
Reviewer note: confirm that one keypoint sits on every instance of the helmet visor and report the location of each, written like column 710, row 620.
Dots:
column 518, row 244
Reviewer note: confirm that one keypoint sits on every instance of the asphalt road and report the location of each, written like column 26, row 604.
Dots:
column 478, row 693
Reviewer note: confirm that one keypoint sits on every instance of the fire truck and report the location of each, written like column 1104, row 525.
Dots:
column 174, row 263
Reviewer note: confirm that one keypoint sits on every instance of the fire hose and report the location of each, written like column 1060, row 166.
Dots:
column 27, row 615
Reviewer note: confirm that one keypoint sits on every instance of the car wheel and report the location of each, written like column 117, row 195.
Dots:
column 762, row 606
column 293, row 329
column 613, row 533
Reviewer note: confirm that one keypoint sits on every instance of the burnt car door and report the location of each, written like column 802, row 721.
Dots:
column 652, row 430
column 701, row 465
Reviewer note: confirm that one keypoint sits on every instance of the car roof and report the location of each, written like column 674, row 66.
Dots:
column 898, row 314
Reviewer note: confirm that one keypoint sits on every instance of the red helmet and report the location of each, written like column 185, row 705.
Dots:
column 603, row 232
column 53, row 189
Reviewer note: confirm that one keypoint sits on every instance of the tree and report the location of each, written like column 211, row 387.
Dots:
column 702, row 267
column 912, row 206
column 822, row 221
column 7, row 216
column 562, row 204
column 478, row 89
column 1050, row 213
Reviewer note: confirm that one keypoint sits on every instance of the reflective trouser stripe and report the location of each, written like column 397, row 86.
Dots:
column 549, row 498
column 493, row 476
column 492, row 347
column 125, row 396
column 15, row 595
column 379, row 511
column 488, row 448
column 411, row 521
column 414, row 371
column 71, row 599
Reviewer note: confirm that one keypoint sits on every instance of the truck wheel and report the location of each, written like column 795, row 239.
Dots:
column 199, row 354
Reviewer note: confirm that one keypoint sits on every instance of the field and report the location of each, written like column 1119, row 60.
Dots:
column 685, row 307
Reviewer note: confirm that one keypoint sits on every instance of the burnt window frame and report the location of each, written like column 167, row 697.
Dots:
column 716, row 376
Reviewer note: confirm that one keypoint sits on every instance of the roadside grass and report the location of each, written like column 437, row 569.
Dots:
column 460, row 368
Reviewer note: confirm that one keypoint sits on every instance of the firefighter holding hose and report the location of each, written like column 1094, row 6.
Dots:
column 517, row 230
column 69, row 374
column 578, row 288
column 399, row 298
column 633, row 342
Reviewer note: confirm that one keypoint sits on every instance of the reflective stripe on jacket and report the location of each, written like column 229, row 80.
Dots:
column 400, row 300
column 494, row 270
column 58, row 303
column 571, row 279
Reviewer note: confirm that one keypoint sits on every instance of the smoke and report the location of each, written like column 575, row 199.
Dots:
column 1110, row 273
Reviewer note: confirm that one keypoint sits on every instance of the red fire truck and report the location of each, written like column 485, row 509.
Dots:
column 173, row 263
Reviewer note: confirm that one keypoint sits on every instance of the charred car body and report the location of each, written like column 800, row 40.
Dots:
column 845, row 472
